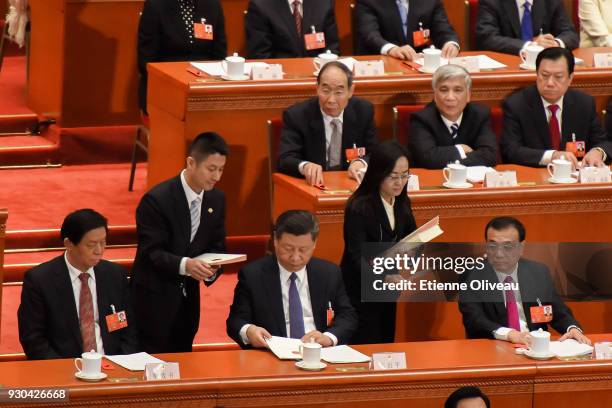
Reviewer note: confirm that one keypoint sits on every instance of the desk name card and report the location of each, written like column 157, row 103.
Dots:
column 389, row 361
column 590, row 175
column 369, row 68
column 267, row 72
column 500, row 179
column 602, row 60
column 413, row 183
column 162, row 371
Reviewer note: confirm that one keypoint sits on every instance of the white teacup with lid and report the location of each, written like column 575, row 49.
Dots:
column 529, row 54
column 323, row 59
column 560, row 169
column 233, row 66
column 432, row 58
column 539, row 342
column 455, row 174
column 90, row 364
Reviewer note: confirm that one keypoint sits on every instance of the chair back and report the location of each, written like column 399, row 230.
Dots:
column 401, row 122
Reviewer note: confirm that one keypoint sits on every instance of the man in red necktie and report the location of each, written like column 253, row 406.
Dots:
column 71, row 304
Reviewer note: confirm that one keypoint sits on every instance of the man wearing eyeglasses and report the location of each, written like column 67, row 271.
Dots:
column 318, row 133
column 511, row 314
column 451, row 128
column 548, row 121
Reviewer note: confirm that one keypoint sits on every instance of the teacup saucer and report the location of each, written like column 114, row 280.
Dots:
column 91, row 378
column 459, row 185
column 315, row 367
column 570, row 180
column 241, row 78
column 535, row 356
column 424, row 70
column 527, row 67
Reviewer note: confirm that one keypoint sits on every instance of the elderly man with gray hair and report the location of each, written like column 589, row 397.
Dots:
column 451, row 127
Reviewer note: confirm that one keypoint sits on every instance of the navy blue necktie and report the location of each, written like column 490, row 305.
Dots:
column 454, row 130
column 296, row 317
column 526, row 24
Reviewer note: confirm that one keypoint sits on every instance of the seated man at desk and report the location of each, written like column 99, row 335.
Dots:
column 317, row 132
column 509, row 314
column 281, row 29
column 77, row 302
column 402, row 28
column 509, row 26
column 451, row 128
column 290, row 293
column 547, row 121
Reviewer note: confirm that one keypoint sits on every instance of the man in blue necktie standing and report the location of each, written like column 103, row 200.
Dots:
column 290, row 293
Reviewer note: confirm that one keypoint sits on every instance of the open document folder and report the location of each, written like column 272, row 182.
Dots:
column 289, row 349
column 425, row 233
column 221, row 259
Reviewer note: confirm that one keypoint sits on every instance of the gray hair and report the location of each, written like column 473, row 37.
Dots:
column 446, row 72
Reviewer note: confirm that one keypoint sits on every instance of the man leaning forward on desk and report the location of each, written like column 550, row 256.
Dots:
column 290, row 293
column 317, row 132
column 509, row 314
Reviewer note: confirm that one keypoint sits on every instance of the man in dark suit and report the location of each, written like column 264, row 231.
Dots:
column 508, row 314
column 533, row 135
column 278, row 28
column 66, row 302
column 179, row 30
column 176, row 221
column 451, row 128
column 317, row 132
column 403, row 29
column 504, row 26
column 291, row 294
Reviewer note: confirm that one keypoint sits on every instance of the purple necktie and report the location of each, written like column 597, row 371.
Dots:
column 511, row 307
column 296, row 318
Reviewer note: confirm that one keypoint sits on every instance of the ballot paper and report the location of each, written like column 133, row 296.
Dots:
column 476, row 174
column 216, row 68
column 285, row 348
column 343, row 354
column 569, row 348
column 484, row 62
column 134, row 362
column 221, row 259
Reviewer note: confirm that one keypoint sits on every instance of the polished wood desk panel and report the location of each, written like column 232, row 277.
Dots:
column 3, row 217
column 181, row 106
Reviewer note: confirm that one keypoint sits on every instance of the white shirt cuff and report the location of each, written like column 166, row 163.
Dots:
column 561, row 43
column 573, row 326
column 546, row 157
column 461, row 152
column 333, row 338
column 455, row 43
column 301, row 167
column 386, row 48
column 243, row 333
column 502, row 333
column 182, row 265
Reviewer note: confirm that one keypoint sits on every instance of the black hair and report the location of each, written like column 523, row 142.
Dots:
column 383, row 158
column 501, row 223
column 341, row 67
column 80, row 222
column 465, row 393
column 554, row 53
column 205, row 144
column 296, row 222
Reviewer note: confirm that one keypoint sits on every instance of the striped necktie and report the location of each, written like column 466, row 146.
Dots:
column 454, row 130
column 194, row 210
column 297, row 17
column 86, row 315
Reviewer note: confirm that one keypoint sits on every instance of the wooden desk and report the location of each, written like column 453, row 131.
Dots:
column 3, row 217
column 257, row 378
column 181, row 106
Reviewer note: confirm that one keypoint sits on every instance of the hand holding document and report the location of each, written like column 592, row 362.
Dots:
column 426, row 232
column 221, row 259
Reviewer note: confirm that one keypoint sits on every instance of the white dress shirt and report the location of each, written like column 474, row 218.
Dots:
column 190, row 195
column 536, row 31
column 448, row 124
column 547, row 156
column 76, row 291
column 389, row 210
column 327, row 120
column 304, row 292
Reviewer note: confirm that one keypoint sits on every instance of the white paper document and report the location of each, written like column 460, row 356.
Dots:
column 484, row 62
column 285, row 348
column 221, row 259
column 425, row 232
column 476, row 174
column 134, row 362
column 343, row 354
column 216, row 68
column 569, row 348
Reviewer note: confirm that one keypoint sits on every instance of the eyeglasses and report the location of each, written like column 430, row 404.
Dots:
column 506, row 246
column 399, row 177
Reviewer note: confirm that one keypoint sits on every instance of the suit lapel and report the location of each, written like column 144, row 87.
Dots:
column 317, row 286
column 413, row 21
column 537, row 17
column 63, row 286
column 568, row 119
column 183, row 217
column 274, row 293
column 497, row 295
column 512, row 13
column 318, row 133
column 104, row 308
column 527, row 287
column 285, row 14
column 381, row 214
column 441, row 129
column 541, row 123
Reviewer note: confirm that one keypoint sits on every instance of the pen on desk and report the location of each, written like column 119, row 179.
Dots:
column 410, row 64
